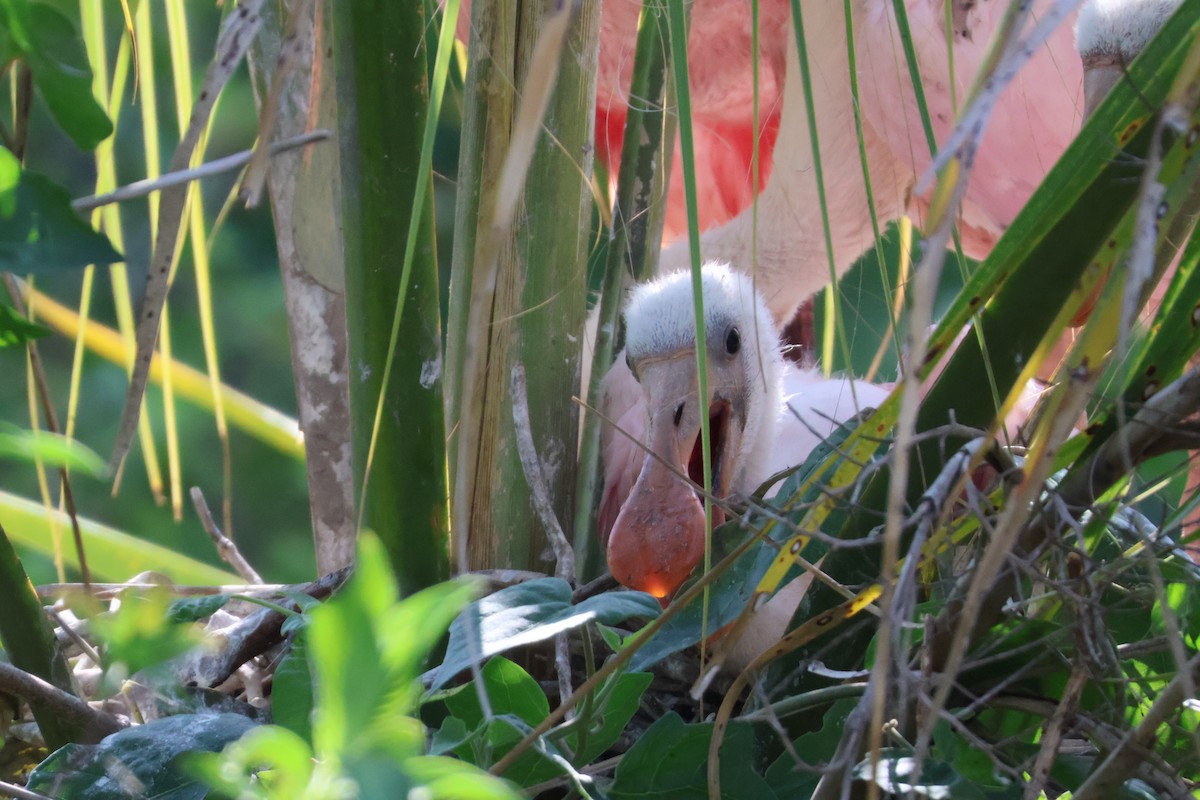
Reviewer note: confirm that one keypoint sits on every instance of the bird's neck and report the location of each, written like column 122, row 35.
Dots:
column 765, row 386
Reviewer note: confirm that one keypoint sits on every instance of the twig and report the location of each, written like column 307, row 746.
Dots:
column 250, row 637
column 1129, row 755
column 104, row 591
column 229, row 163
column 225, row 547
column 73, row 635
column 531, row 465
column 1053, row 734
column 66, row 707
column 291, row 51
column 239, row 31
column 12, row 790
column 564, row 555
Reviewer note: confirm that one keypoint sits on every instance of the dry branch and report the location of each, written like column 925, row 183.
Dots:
column 94, row 724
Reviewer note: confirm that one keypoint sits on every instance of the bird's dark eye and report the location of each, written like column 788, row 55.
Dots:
column 733, row 342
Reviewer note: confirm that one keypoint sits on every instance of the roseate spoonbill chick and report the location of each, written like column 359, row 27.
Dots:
column 764, row 416
column 1109, row 34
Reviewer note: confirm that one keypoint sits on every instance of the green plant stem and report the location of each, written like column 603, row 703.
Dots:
column 382, row 106
column 632, row 252
column 29, row 643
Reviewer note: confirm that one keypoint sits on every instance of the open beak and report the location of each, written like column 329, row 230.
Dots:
column 658, row 538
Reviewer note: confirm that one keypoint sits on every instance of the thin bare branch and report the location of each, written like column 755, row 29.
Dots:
column 95, row 724
column 225, row 547
column 217, row 166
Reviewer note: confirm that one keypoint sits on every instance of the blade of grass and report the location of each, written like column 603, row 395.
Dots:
column 178, row 36
column 113, row 555
column 257, row 419
column 235, row 37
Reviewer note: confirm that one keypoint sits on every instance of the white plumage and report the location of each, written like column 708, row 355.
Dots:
column 765, row 414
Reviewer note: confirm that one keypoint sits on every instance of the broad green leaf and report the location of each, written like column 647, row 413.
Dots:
column 670, row 761
column 510, row 690
column 532, row 612
column 292, row 689
column 971, row 764
column 113, row 555
column 55, row 55
column 816, row 748
column 15, row 329
column 51, row 449
column 194, row 609
column 147, row 753
column 367, row 653
column 538, row 764
column 451, row 735
column 41, row 232
column 610, row 716
column 517, row 704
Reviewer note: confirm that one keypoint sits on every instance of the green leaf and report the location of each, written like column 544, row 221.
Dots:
column 39, row 231
column 15, row 329
column 670, row 762
column 450, row 736
column 367, row 654
column 112, row 555
column 532, row 612
column 52, row 449
column 510, row 689
column 292, row 689
column 10, row 179
column 449, row 779
column 971, row 764
column 611, row 717
column 268, row 756
column 56, row 57
column 817, row 748
column 194, row 609
column 148, row 754
column 518, row 704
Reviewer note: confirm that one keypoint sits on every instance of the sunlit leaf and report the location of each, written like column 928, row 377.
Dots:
column 51, row 449
column 532, row 612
